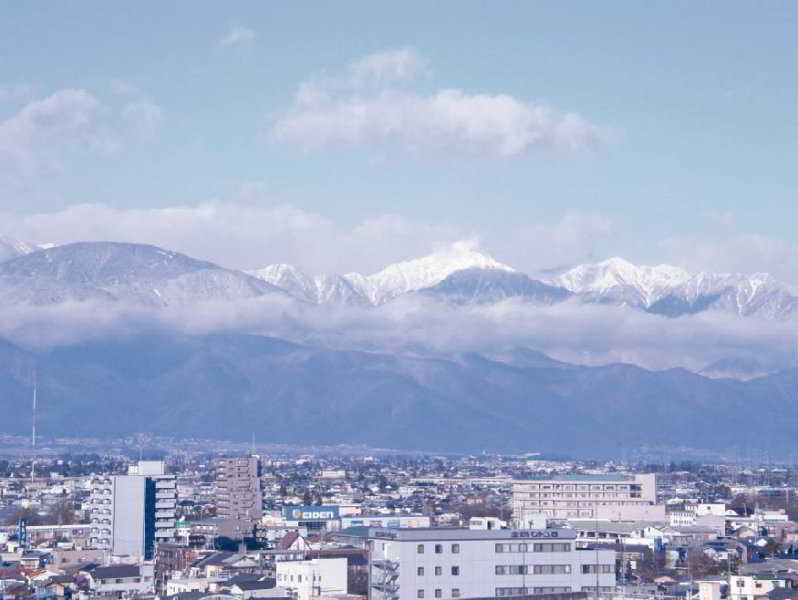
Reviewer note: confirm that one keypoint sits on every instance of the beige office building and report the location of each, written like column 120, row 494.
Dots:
column 617, row 497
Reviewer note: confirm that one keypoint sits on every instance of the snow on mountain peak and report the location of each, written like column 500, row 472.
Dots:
column 648, row 281
column 10, row 248
column 419, row 273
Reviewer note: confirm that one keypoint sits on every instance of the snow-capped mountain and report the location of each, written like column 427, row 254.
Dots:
column 419, row 273
column 389, row 283
column 133, row 273
column 11, row 248
column 487, row 286
column 620, row 281
column 318, row 289
column 291, row 279
column 673, row 291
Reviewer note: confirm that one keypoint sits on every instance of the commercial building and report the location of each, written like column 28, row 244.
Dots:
column 611, row 496
column 238, row 490
column 468, row 563
column 387, row 521
column 131, row 513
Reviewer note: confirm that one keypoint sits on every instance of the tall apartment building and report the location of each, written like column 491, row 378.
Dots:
column 238, row 489
column 620, row 497
column 131, row 513
column 468, row 563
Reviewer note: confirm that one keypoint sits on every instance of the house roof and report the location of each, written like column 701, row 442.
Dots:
column 218, row 559
column 287, row 540
column 247, row 586
column 116, row 572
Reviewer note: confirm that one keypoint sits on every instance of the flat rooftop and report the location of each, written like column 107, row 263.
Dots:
column 445, row 534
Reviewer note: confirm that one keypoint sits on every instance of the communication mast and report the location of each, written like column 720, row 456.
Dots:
column 33, row 429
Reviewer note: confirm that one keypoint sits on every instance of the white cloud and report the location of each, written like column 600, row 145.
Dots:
column 237, row 36
column 42, row 131
column 448, row 121
column 735, row 253
column 245, row 234
column 334, row 112
column 577, row 237
column 390, row 66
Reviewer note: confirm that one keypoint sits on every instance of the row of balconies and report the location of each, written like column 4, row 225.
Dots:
column 164, row 523
column 165, row 533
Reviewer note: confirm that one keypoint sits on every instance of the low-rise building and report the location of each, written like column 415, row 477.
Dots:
column 467, row 563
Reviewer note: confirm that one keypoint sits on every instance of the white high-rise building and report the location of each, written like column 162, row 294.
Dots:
column 467, row 563
column 131, row 513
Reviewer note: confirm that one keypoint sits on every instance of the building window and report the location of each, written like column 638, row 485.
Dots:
column 552, row 547
column 455, row 571
column 512, row 591
column 420, row 571
column 438, row 570
column 455, row 548
column 455, row 592
column 438, row 593
column 601, row 569
column 438, row 548
column 420, row 594
column 420, row 550
column 552, row 569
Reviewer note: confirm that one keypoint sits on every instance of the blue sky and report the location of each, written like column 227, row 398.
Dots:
column 685, row 150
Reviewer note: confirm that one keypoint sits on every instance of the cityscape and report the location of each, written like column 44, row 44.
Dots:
column 355, row 300
column 192, row 524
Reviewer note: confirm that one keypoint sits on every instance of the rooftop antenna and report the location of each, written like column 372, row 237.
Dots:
column 33, row 428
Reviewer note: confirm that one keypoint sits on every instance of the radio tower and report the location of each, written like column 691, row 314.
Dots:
column 33, row 430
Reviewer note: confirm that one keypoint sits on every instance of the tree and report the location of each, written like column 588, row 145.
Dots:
column 651, row 566
column 29, row 515
column 61, row 513
column 701, row 565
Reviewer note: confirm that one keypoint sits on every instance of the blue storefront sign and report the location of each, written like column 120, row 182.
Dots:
column 310, row 513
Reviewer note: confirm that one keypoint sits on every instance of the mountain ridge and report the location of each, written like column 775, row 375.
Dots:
column 209, row 385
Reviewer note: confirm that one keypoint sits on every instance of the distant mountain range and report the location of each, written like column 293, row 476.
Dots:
column 459, row 274
column 508, row 398
column 234, row 386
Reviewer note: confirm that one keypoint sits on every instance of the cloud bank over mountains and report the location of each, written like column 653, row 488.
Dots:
column 454, row 301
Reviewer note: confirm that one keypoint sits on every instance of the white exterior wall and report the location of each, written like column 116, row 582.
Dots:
column 584, row 498
column 128, row 586
column 118, row 512
column 314, row 577
column 476, row 564
column 747, row 587
column 128, row 527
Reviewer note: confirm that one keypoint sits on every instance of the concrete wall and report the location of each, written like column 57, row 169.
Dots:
column 128, row 528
